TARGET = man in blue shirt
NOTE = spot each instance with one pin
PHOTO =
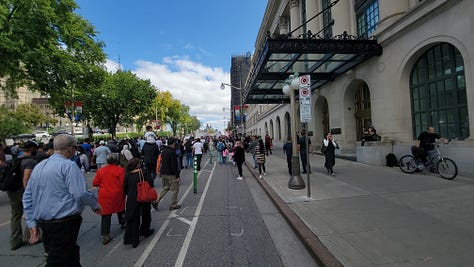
(100, 154)
(58, 214)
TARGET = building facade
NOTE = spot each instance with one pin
(423, 77)
(239, 69)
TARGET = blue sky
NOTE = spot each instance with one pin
(182, 46)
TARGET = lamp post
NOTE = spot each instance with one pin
(242, 123)
(295, 182)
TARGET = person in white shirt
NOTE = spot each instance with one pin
(197, 151)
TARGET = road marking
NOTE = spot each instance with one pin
(189, 235)
(116, 246)
(186, 221)
(169, 233)
(239, 234)
(163, 227)
(5, 223)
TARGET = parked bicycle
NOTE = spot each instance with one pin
(446, 167)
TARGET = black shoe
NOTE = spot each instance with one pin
(149, 233)
(175, 207)
(123, 225)
(106, 239)
(304, 172)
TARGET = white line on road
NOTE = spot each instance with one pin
(186, 221)
(155, 239)
(189, 235)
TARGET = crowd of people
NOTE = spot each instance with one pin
(59, 167)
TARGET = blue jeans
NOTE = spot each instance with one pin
(219, 157)
(432, 154)
(189, 160)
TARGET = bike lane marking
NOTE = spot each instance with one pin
(172, 215)
(189, 235)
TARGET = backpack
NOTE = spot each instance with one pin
(158, 163)
(391, 160)
(220, 146)
(122, 160)
(11, 176)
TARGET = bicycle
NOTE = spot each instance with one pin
(446, 167)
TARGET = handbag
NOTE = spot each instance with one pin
(323, 149)
(145, 192)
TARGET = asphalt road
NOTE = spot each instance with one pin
(227, 222)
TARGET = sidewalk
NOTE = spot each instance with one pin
(376, 216)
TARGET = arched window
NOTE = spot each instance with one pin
(438, 93)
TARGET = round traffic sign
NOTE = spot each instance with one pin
(304, 92)
(304, 80)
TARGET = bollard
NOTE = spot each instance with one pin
(195, 175)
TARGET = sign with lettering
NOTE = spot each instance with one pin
(305, 98)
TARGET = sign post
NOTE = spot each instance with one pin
(305, 117)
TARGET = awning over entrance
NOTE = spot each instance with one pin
(323, 59)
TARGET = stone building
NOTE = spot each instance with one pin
(422, 76)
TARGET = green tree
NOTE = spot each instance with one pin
(31, 115)
(194, 124)
(10, 125)
(46, 46)
(119, 99)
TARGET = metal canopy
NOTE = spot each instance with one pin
(323, 59)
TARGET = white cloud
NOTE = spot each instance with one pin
(192, 83)
(112, 65)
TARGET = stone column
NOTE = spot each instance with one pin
(283, 25)
(295, 20)
(390, 10)
(312, 8)
(342, 18)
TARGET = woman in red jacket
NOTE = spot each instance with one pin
(110, 179)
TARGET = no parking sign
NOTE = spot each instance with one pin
(305, 98)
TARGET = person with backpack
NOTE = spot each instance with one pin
(188, 150)
(170, 174)
(125, 156)
(220, 146)
(23, 166)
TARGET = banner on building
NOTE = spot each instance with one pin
(237, 112)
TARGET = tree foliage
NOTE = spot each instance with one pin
(122, 96)
(47, 47)
(170, 111)
(22, 120)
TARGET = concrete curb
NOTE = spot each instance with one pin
(317, 249)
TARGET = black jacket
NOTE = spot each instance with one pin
(169, 161)
(150, 154)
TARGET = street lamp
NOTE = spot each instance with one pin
(292, 84)
(223, 85)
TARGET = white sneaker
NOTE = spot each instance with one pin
(239, 178)
(260, 176)
(264, 173)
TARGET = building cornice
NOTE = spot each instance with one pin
(413, 17)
